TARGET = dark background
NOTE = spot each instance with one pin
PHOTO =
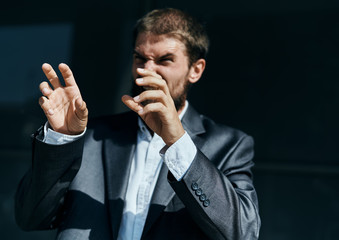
(272, 71)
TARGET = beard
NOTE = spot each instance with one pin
(179, 101)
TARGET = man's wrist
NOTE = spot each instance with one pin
(169, 142)
(56, 138)
(179, 156)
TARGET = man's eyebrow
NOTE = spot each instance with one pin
(167, 55)
(161, 57)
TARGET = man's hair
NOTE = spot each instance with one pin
(176, 23)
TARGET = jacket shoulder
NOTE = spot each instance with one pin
(223, 131)
(220, 140)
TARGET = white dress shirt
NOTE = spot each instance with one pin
(150, 153)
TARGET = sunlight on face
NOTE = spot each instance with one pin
(166, 56)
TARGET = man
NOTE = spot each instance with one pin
(161, 171)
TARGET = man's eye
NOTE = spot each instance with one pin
(139, 58)
(166, 60)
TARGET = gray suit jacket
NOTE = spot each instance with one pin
(80, 187)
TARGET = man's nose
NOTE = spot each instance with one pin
(149, 65)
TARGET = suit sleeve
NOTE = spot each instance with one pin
(41, 192)
(221, 198)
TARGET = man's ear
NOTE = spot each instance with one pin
(196, 70)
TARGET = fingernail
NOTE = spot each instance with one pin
(141, 70)
(50, 112)
(136, 99)
(44, 91)
(141, 111)
(140, 80)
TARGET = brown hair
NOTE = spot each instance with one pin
(178, 24)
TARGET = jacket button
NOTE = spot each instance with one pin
(195, 186)
(198, 192)
(202, 197)
(206, 203)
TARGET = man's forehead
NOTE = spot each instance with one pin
(158, 44)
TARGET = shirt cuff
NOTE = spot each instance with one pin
(179, 156)
(55, 138)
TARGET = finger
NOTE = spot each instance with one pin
(51, 75)
(46, 106)
(81, 109)
(145, 72)
(151, 95)
(130, 103)
(45, 89)
(67, 74)
(155, 107)
(152, 82)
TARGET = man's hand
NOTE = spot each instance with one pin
(159, 113)
(63, 105)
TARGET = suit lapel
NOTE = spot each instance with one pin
(163, 192)
(192, 122)
(118, 154)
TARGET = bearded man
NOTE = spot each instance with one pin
(160, 171)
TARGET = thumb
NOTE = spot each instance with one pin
(81, 108)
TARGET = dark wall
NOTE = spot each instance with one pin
(272, 71)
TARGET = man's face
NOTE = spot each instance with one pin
(167, 57)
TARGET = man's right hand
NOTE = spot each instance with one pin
(63, 105)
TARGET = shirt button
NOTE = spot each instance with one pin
(195, 186)
(202, 197)
(206, 203)
(198, 192)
